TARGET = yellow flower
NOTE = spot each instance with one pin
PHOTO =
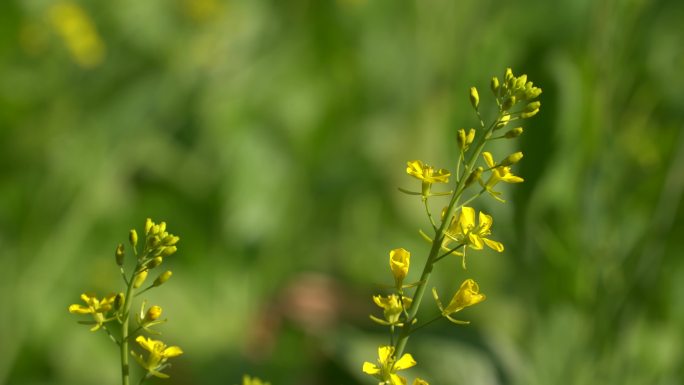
(247, 380)
(98, 308)
(464, 231)
(499, 174)
(420, 381)
(399, 264)
(387, 366)
(467, 295)
(393, 306)
(426, 173)
(159, 354)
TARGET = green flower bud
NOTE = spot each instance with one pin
(508, 103)
(133, 238)
(520, 82)
(532, 106)
(154, 262)
(163, 277)
(514, 133)
(118, 301)
(148, 226)
(119, 254)
(530, 114)
(494, 85)
(461, 140)
(153, 313)
(508, 75)
(474, 97)
(474, 176)
(512, 159)
(170, 240)
(139, 279)
(502, 122)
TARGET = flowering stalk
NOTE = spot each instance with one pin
(458, 230)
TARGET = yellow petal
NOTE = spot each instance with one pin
(397, 379)
(475, 241)
(79, 309)
(146, 343)
(369, 368)
(485, 223)
(406, 361)
(494, 245)
(466, 219)
(384, 354)
(172, 351)
(420, 381)
(415, 168)
(488, 159)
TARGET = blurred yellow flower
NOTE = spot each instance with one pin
(386, 370)
(420, 381)
(399, 261)
(78, 32)
(467, 295)
(393, 306)
(159, 354)
(499, 174)
(426, 173)
(247, 380)
(98, 308)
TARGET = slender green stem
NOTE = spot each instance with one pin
(439, 237)
(128, 302)
(448, 252)
(426, 324)
(429, 213)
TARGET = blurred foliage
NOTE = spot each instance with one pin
(272, 136)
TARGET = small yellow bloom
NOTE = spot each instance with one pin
(499, 174)
(420, 381)
(467, 295)
(399, 261)
(159, 354)
(98, 308)
(387, 366)
(426, 173)
(464, 230)
(393, 306)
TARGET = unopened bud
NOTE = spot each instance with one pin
(119, 254)
(170, 240)
(475, 175)
(474, 97)
(162, 227)
(118, 301)
(168, 251)
(133, 238)
(153, 241)
(155, 229)
(494, 85)
(532, 106)
(153, 313)
(520, 82)
(163, 277)
(155, 262)
(470, 137)
(508, 103)
(511, 159)
(148, 226)
(139, 279)
(514, 133)
(508, 75)
(461, 140)
(502, 122)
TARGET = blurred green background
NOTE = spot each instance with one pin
(271, 136)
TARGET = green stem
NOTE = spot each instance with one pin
(429, 213)
(128, 302)
(439, 237)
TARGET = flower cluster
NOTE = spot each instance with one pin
(459, 227)
(158, 245)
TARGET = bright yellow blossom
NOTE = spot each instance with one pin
(159, 354)
(392, 306)
(98, 308)
(387, 366)
(399, 264)
(467, 295)
(499, 174)
(420, 381)
(463, 230)
(426, 173)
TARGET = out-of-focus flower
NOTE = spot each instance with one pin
(78, 32)
(98, 308)
(387, 366)
(159, 353)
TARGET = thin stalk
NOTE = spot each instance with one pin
(128, 302)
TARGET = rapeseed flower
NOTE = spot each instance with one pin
(98, 308)
(465, 231)
(387, 366)
(467, 295)
(399, 262)
(393, 306)
(159, 354)
(426, 173)
(500, 173)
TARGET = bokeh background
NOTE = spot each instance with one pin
(272, 137)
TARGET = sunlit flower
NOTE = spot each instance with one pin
(426, 173)
(499, 174)
(98, 308)
(387, 366)
(159, 354)
(467, 295)
(464, 230)
(399, 264)
(393, 306)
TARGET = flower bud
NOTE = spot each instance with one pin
(470, 137)
(511, 159)
(170, 240)
(532, 106)
(163, 277)
(153, 313)
(155, 229)
(461, 140)
(494, 85)
(139, 279)
(508, 103)
(118, 301)
(475, 175)
(508, 75)
(474, 97)
(155, 262)
(133, 238)
(502, 122)
(529, 114)
(514, 133)
(168, 251)
(399, 262)
(119, 254)
(148, 226)
(520, 82)
(162, 227)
